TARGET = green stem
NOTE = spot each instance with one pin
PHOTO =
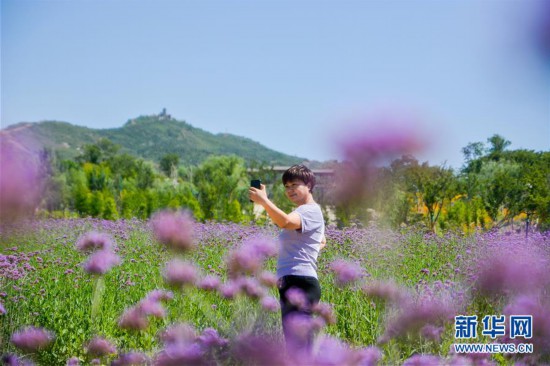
(245, 315)
(195, 297)
(99, 289)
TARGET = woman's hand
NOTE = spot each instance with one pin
(323, 242)
(258, 196)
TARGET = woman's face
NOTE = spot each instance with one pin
(297, 191)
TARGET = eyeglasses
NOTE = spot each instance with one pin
(293, 186)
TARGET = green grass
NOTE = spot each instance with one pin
(62, 302)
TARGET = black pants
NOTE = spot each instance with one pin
(312, 291)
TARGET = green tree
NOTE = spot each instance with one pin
(57, 194)
(81, 194)
(169, 164)
(507, 183)
(123, 165)
(532, 195)
(433, 185)
(98, 176)
(110, 211)
(55, 190)
(145, 176)
(91, 154)
(97, 204)
(472, 154)
(395, 200)
(130, 202)
(137, 203)
(188, 199)
(498, 145)
(103, 149)
(466, 212)
(500, 187)
(220, 181)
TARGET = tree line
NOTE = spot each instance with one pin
(495, 187)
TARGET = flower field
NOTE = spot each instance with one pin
(169, 292)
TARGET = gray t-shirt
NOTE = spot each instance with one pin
(299, 249)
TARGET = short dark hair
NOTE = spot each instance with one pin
(300, 172)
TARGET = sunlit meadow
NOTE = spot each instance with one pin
(388, 297)
(172, 291)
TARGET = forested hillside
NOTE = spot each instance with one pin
(146, 137)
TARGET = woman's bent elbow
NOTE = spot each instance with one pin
(284, 225)
(289, 225)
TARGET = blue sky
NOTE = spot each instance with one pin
(288, 74)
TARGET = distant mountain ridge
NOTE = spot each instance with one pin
(149, 137)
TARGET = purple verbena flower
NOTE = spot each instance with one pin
(270, 303)
(258, 350)
(336, 352)
(134, 319)
(263, 246)
(179, 273)
(151, 304)
(365, 149)
(298, 328)
(73, 361)
(209, 283)
(423, 360)
(346, 272)
(131, 359)
(385, 140)
(242, 261)
(249, 257)
(229, 289)
(32, 339)
(99, 347)
(386, 290)
(542, 30)
(414, 315)
(136, 316)
(178, 333)
(370, 356)
(20, 180)
(101, 262)
(325, 311)
(540, 311)
(210, 338)
(93, 240)
(174, 229)
(180, 354)
(474, 359)
(251, 287)
(268, 279)
(151, 307)
(497, 274)
(297, 297)
(432, 332)
(160, 295)
(10, 359)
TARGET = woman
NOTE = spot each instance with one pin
(301, 239)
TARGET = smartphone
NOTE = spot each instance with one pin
(256, 183)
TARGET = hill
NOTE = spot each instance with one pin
(148, 137)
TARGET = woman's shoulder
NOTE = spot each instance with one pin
(309, 207)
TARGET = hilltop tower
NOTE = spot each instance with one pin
(163, 115)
